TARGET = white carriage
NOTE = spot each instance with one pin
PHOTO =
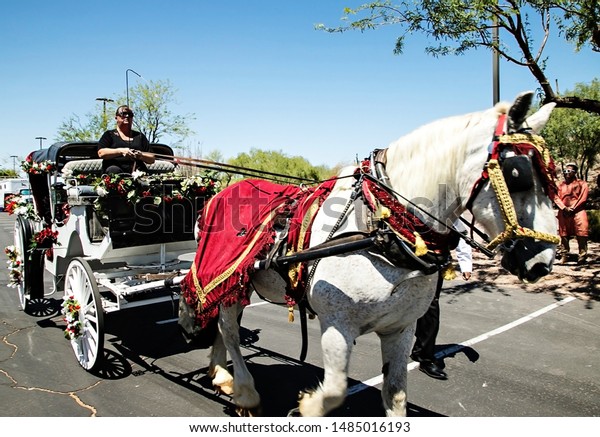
(104, 249)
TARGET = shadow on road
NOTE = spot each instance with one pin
(136, 344)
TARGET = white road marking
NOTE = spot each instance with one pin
(379, 379)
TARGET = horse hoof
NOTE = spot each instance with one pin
(249, 412)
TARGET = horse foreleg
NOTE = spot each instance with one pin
(245, 396)
(217, 369)
(395, 348)
(331, 393)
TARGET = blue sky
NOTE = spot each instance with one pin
(255, 74)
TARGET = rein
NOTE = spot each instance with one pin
(524, 144)
(228, 168)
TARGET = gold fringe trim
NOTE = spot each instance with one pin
(449, 272)
(420, 246)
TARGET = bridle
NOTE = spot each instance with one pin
(509, 169)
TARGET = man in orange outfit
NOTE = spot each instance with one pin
(572, 218)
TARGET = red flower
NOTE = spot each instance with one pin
(46, 234)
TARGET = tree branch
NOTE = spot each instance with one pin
(574, 102)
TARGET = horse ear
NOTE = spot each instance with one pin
(538, 120)
(518, 111)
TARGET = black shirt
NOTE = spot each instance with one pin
(112, 140)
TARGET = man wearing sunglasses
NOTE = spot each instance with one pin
(122, 149)
(572, 218)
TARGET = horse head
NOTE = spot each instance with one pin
(517, 206)
(439, 167)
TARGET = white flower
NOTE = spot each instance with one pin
(137, 174)
(68, 173)
(101, 191)
(21, 210)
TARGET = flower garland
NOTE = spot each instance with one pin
(15, 265)
(44, 239)
(76, 177)
(32, 167)
(199, 186)
(70, 309)
(167, 188)
(15, 204)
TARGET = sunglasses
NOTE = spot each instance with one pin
(125, 114)
(568, 171)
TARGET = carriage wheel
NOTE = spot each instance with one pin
(32, 271)
(81, 285)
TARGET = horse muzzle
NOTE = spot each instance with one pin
(528, 260)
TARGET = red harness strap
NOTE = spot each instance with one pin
(493, 154)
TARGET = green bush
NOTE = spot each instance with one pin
(594, 219)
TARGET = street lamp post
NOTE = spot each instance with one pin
(127, 81)
(104, 120)
(41, 139)
(495, 63)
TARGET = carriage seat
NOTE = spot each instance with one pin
(94, 167)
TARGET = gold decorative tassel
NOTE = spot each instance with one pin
(449, 272)
(290, 314)
(420, 246)
(384, 212)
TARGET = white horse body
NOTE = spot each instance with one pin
(357, 293)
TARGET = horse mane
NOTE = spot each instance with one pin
(436, 153)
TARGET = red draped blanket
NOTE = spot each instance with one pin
(236, 229)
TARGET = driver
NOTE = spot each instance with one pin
(122, 149)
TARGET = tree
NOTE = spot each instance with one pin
(582, 26)
(150, 102)
(574, 135)
(279, 163)
(8, 173)
(74, 129)
(460, 25)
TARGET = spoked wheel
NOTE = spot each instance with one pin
(81, 286)
(31, 285)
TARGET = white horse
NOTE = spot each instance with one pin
(436, 167)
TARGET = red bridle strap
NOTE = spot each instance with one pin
(494, 152)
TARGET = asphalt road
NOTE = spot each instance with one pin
(508, 353)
